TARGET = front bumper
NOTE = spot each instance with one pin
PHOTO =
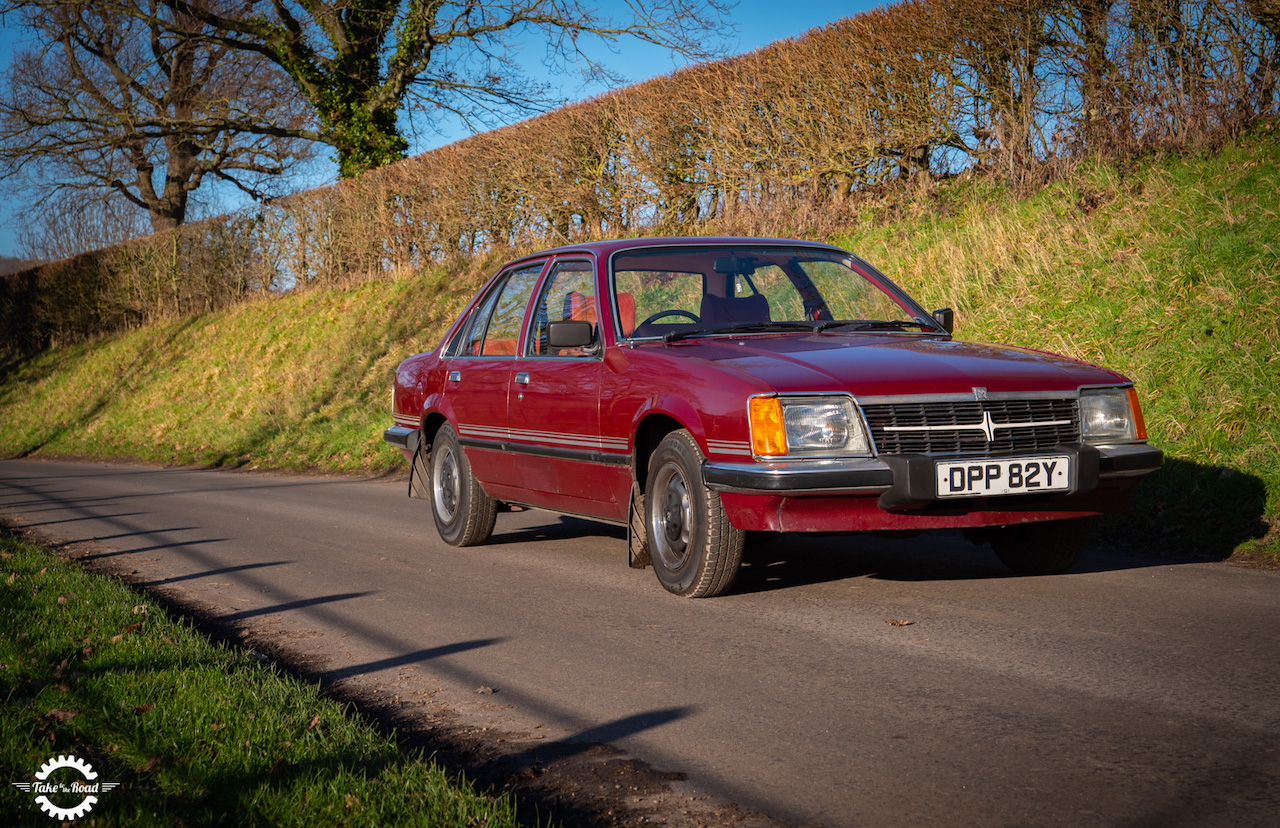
(908, 481)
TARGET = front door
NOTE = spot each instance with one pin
(554, 413)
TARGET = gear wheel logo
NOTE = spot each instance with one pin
(86, 787)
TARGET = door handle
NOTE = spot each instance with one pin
(522, 378)
(455, 376)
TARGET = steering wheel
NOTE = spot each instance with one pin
(669, 312)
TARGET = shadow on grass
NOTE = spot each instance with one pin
(1191, 510)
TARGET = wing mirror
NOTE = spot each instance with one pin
(945, 317)
(571, 334)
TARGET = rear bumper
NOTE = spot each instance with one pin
(402, 437)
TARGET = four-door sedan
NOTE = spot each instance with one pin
(696, 389)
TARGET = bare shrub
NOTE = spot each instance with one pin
(799, 138)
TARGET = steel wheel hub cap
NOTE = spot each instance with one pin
(446, 488)
(673, 518)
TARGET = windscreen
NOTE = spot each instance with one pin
(729, 288)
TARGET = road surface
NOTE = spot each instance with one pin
(1130, 691)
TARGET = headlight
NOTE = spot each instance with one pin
(1111, 415)
(806, 426)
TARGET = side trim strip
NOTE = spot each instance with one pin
(581, 455)
(544, 438)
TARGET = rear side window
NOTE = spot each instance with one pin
(494, 326)
(471, 334)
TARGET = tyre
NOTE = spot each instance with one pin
(1048, 548)
(464, 514)
(692, 546)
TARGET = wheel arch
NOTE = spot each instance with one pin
(649, 432)
(431, 423)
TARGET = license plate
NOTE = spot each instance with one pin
(975, 478)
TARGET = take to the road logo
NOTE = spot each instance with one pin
(66, 787)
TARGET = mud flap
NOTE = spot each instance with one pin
(637, 540)
(420, 472)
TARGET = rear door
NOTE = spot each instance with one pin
(479, 376)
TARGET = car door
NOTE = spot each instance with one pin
(478, 379)
(554, 412)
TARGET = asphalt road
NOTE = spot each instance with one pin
(1130, 691)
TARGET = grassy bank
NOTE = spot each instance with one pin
(1168, 272)
(196, 734)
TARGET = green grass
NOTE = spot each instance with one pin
(1167, 271)
(298, 382)
(197, 734)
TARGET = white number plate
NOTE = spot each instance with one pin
(974, 478)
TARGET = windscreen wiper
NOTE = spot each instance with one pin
(744, 327)
(884, 325)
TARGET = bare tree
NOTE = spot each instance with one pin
(71, 222)
(363, 64)
(149, 105)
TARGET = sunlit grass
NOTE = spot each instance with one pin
(196, 733)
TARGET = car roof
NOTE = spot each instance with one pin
(606, 248)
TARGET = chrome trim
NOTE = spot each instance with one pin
(583, 455)
(963, 397)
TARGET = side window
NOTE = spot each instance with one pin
(569, 295)
(471, 334)
(503, 330)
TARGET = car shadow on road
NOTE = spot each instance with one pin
(553, 527)
(788, 561)
(773, 562)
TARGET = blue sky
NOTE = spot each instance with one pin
(758, 22)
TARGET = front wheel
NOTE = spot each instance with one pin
(694, 549)
(464, 514)
(1048, 548)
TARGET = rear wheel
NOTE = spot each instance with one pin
(464, 514)
(694, 549)
(1048, 548)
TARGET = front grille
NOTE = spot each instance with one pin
(987, 427)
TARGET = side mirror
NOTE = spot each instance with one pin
(571, 334)
(945, 317)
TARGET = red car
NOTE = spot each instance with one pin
(697, 389)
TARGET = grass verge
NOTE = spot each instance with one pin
(195, 733)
